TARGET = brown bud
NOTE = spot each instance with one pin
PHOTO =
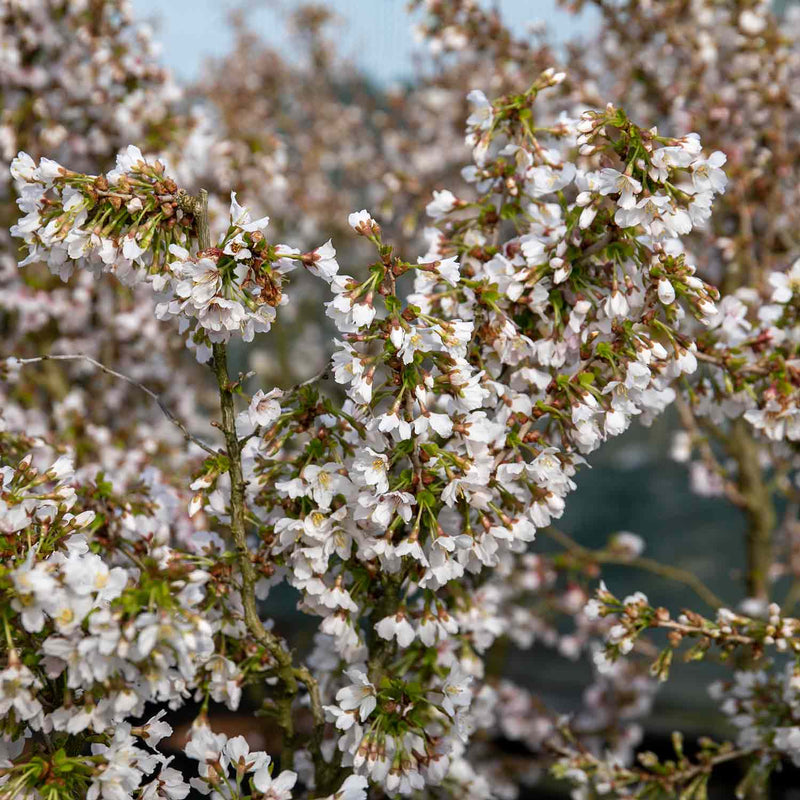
(675, 638)
(694, 618)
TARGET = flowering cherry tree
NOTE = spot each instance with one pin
(565, 287)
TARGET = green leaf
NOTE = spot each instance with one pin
(509, 211)
(426, 498)
(677, 743)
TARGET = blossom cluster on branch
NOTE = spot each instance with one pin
(579, 273)
(547, 312)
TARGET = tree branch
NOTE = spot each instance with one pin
(676, 574)
(759, 509)
(267, 639)
(149, 392)
(287, 673)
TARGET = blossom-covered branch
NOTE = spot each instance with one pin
(567, 288)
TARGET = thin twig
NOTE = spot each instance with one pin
(721, 361)
(759, 508)
(149, 392)
(676, 574)
(603, 242)
(673, 780)
(320, 376)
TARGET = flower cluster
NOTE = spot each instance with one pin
(229, 768)
(729, 631)
(589, 305)
(566, 291)
(104, 648)
(135, 223)
(122, 222)
(763, 705)
(232, 288)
